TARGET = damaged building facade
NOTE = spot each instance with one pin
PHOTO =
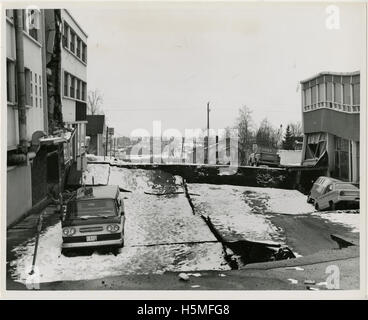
(39, 137)
(66, 61)
(331, 123)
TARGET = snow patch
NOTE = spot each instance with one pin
(350, 220)
(97, 174)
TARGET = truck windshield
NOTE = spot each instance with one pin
(97, 207)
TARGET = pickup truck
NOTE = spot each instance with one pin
(264, 157)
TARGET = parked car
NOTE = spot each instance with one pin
(263, 157)
(330, 193)
(94, 218)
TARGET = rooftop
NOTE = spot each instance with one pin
(329, 73)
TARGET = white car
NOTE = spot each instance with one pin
(330, 193)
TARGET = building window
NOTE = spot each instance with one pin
(79, 44)
(72, 41)
(356, 94)
(308, 96)
(321, 92)
(66, 35)
(84, 52)
(314, 94)
(78, 89)
(329, 91)
(341, 158)
(31, 22)
(84, 86)
(346, 93)
(28, 86)
(337, 92)
(72, 88)
(10, 81)
(66, 83)
(315, 146)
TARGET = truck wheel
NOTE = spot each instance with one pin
(332, 206)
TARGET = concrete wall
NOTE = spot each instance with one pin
(19, 192)
(341, 124)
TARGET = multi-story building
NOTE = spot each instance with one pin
(26, 160)
(331, 118)
(46, 124)
(67, 74)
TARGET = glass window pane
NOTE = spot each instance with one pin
(338, 90)
(356, 94)
(321, 92)
(329, 88)
(314, 95)
(347, 95)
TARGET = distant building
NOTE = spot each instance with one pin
(331, 120)
(96, 130)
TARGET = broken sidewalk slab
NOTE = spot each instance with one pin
(248, 250)
(323, 256)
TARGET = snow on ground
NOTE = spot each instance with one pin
(161, 233)
(53, 266)
(97, 174)
(230, 214)
(154, 219)
(350, 220)
(285, 201)
(140, 180)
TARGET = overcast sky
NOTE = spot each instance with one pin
(165, 61)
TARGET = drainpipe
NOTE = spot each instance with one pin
(44, 75)
(22, 117)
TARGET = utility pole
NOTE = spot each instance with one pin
(208, 118)
(206, 156)
(107, 135)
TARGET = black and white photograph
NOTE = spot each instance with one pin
(184, 146)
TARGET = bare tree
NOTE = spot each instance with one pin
(267, 135)
(296, 129)
(246, 136)
(95, 101)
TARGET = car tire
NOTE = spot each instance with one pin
(316, 206)
(332, 206)
(309, 199)
(66, 252)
